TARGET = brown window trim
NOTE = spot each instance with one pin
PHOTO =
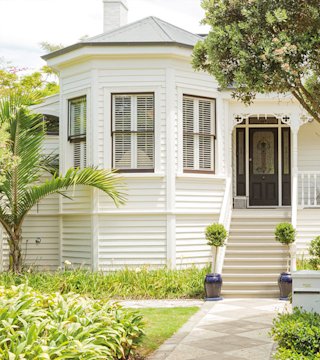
(80, 137)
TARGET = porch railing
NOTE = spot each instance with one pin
(309, 188)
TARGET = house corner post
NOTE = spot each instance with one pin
(294, 197)
(171, 166)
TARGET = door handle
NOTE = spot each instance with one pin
(263, 177)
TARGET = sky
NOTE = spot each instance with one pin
(26, 23)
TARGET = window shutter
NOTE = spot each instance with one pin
(80, 154)
(188, 130)
(205, 135)
(145, 131)
(122, 125)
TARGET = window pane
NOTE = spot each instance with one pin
(78, 116)
(145, 113)
(205, 117)
(188, 115)
(122, 113)
(52, 124)
(263, 120)
(188, 151)
(263, 153)
(122, 151)
(80, 154)
(205, 152)
(145, 151)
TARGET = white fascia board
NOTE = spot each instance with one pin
(88, 52)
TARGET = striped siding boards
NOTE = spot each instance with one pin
(168, 208)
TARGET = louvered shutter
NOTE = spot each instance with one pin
(205, 135)
(77, 130)
(188, 133)
(133, 131)
(122, 138)
(145, 131)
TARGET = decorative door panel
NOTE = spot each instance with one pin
(263, 167)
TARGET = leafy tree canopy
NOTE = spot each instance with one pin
(20, 81)
(261, 46)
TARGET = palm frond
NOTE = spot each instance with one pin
(105, 180)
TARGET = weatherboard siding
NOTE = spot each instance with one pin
(131, 240)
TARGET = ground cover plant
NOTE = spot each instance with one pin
(297, 335)
(140, 283)
(36, 326)
(161, 324)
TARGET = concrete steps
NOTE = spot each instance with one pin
(253, 259)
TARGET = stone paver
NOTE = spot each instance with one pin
(233, 329)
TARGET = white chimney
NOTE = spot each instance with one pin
(115, 14)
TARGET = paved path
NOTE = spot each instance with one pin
(233, 329)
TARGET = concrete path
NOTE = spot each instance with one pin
(233, 329)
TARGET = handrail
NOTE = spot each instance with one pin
(308, 188)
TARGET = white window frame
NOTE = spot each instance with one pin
(196, 133)
(133, 132)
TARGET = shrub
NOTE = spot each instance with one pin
(298, 335)
(314, 252)
(285, 233)
(37, 326)
(216, 235)
(139, 283)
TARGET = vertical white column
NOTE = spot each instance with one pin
(171, 166)
(294, 197)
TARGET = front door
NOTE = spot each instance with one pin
(263, 167)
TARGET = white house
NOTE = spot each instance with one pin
(189, 154)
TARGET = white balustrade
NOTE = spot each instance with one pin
(309, 188)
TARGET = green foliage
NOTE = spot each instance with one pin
(216, 235)
(22, 187)
(285, 233)
(43, 82)
(139, 283)
(161, 324)
(314, 252)
(34, 326)
(297, 335)
(261, 46)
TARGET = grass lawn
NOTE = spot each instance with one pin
(161, 324)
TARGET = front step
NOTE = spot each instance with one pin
(253, 259)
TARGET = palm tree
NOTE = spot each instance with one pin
(21, 187)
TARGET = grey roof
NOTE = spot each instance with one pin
(148, 31)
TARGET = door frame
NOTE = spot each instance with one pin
(246, 126)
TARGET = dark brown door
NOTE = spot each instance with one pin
(263, 167)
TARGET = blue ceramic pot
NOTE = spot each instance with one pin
(212, 287)
(285, 285)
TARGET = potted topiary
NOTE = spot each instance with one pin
(216, 235)
(285, 234)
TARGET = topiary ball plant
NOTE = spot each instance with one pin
(285, 233)
(216, 235)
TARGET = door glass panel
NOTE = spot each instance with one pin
(241, 155)
(263, 153)
(263, 120)
(286, 152)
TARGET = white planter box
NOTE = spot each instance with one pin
(306, 290)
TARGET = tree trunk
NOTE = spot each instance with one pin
(15, 253)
